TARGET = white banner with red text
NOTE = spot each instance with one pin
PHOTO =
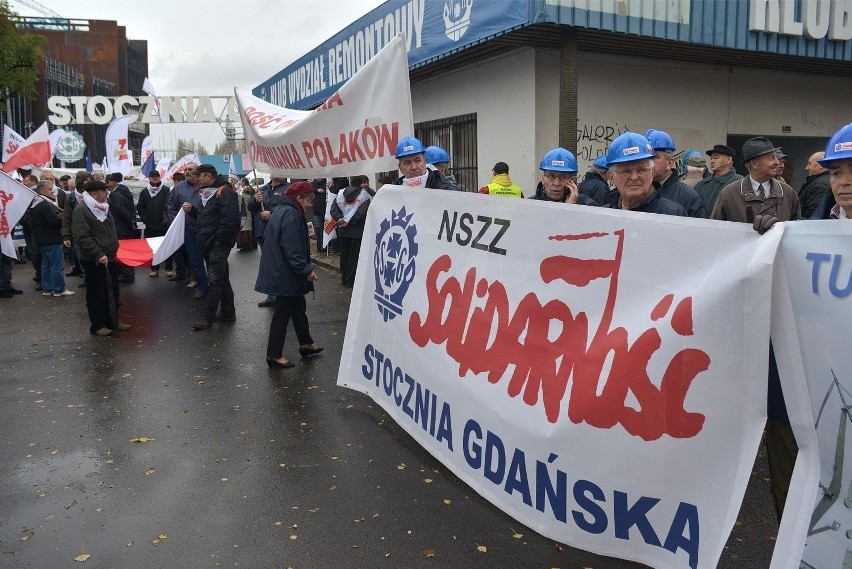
(811, 323)
(354, 132)
(599, 375)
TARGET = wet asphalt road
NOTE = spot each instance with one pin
(246, 466)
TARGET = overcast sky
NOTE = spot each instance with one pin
(208, 47)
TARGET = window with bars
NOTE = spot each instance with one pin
(456, 135)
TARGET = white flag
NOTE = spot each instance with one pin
(356, 130)
(163, 166)
(329, 226)
(12, 141)
(232, 172)
(54, 138)
(118, 152)
(15, 198)
(148, 88)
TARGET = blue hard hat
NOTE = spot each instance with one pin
(628, 147)
(600, 162)
(686, 156)
(660, 140)
(839, 146)
(408, 146)
(559, 160)
(436, 155)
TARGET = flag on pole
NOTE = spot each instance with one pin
(148, 88)
(152, 250)
(163, 166)
(34, 150)
(232, 172)
(147, 159)
(118, 152)
(15, 198)
(12, 141)
(54, 137)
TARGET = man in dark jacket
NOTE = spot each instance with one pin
(666, 180)
(412, 164)
(218, 222)
(722, 167)
(594, 184)
(47, 233)
(124, 213)
(815, 187)
(349, 210)
(154, 212)
(187, 192)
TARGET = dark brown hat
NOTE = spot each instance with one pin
(95, 185)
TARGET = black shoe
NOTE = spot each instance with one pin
(74, 273)
(38, 288)
(225, 317)
(199, 295)
(15, 291)
(201, 324)
(275, 363)
(177, 278)
(265, 304)
(126, 280)
(6, 294)
(308, 352)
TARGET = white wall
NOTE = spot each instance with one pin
(501, 92)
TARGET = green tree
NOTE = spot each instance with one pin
(184, 147)
(20, 55)
(230, 147)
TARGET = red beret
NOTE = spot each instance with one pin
(293, 191)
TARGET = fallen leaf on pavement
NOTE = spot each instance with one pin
(141, 440)
(429, 553)
(481, 548)
(82, 558)
(448, 502)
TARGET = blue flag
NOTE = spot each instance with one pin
(88, 161)
(149, 166)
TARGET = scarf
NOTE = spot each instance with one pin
(418, 182)
(207, 193)
(99, 209)
(349, 208)
(153, 191)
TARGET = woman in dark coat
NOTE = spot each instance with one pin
(286, 272)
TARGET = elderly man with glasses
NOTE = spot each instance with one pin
(631, 160)
(559, 179)
(186, 195)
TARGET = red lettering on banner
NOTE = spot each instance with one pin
(260, 119)
(5, 198)
(332, 101)
(543, 367)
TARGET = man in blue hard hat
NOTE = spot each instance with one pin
(595, 183)
(631, 163)
(438, 158)
(559, 179)
(666, 179)
(838, 160)
(415, 172)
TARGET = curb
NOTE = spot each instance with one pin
(331, 265)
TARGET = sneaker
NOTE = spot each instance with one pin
(122, 327)
(170, 274)
(104, 332)
(154, 274)
(192, 284)
(65, 292)
(47, 294)
(199, 295)
(201, 324)
(225, 317)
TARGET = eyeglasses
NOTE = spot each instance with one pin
(561, 177)
(188, 171)
(628, 172)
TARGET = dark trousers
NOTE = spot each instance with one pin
(350, 248)
(127, 272)
(319, 220)
(196, 258)
(101, 294)
(287, 307)
(5, 273)
(218, 283)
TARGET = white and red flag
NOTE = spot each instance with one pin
(12, 141)
(180, 165)
(15, 198)
(34, 150)
(152, 250)
(118, 151)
